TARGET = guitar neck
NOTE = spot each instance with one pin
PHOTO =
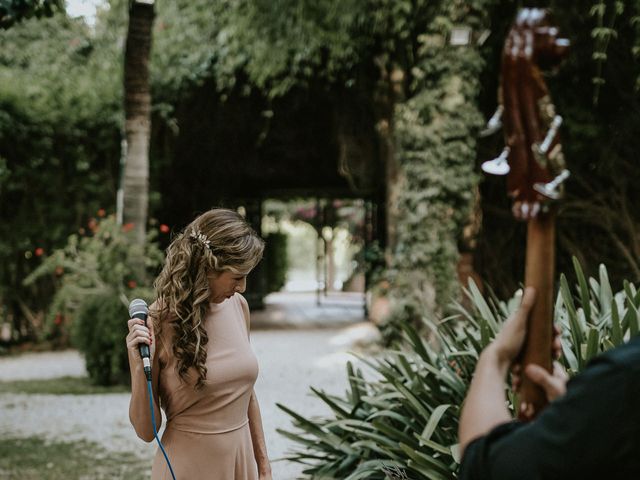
(540, 274)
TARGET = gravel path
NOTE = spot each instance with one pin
(290, 362)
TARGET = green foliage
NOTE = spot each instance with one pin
(60, 120)
(99, 329)
(406, 415)
(603, 33)
(12, 11)
(97, 276)
(255, 45)
(59, 386)
(275, 261)
(59, 148)
(435, 136)
(35, 457)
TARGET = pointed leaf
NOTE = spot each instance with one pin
(605, 290)
(616, 326)
(481, 305)
(585, 299)
(434, 419)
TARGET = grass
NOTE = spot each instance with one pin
(33, 458)
(59, 386)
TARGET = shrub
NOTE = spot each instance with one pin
(406, 417)
(275, 260)
(97, 274)
(98, 330)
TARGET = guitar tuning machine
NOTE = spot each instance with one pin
(541, 150)
(494, 124)
(499, 165)
(551, 190)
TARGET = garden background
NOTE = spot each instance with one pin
(285, 107)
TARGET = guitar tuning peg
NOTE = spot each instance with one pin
(543, 148)
(494, 124)
(499, 165)
(550, 190)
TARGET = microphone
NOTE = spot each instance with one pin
(138, 309)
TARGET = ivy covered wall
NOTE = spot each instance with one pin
(435, 137)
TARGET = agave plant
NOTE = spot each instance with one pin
(403, 421)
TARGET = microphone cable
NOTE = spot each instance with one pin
(155, 431)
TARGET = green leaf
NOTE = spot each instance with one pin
(485, 335)
(435, 417)
(616, 327)
(605, 291)
(482, 306)
(455, 452)
(566, 296)
(415, 340)
(593, 343)
(576, 330)
(436, 469)
(332, 403)
(585, 299)
(632, 319)
(356, 391)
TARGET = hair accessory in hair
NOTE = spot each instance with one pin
(200, 237)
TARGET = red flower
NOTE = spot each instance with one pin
(59, 270)
(127, 227)
(132, 284)
(39, 251)
(164, 228)
(58, 319)
(102, 212)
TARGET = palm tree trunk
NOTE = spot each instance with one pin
(137, 108)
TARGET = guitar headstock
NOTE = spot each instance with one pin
(532, 159)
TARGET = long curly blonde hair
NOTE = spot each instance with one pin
(218, 240)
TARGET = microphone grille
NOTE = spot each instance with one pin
(138, 306)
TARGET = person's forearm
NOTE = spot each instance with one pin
(139, 411)
(485, 406)
(257, 437)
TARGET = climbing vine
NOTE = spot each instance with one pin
(435, 136)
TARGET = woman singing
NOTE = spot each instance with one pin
(203, 368)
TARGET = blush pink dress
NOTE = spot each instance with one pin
(207, 431)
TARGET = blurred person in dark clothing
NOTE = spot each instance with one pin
(591, 428)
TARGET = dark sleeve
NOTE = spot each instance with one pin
(474, 463)
(572, 437)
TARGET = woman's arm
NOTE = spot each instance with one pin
(257, 437)
(139, 409)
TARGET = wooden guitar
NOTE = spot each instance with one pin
(534, 164)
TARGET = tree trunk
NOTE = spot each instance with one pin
(329, 262)
(137, 108)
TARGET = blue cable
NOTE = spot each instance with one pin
(155, 431)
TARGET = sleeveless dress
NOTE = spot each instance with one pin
(207, 433)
